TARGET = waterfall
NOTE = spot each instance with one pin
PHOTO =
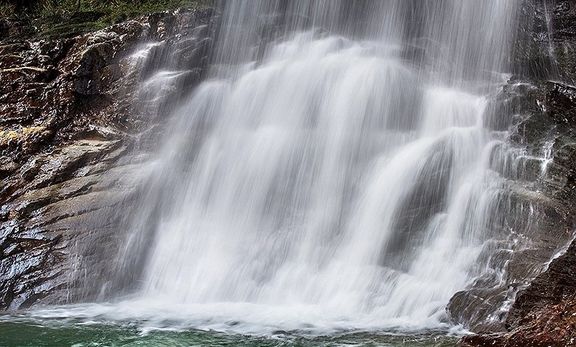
(335, 169)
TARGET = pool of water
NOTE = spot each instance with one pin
(29, 332)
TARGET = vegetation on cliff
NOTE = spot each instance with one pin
(57, 18)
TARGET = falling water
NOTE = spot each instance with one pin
(334, 170)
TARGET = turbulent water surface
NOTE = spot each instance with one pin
(339, 173)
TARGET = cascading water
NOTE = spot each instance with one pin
(335, 173)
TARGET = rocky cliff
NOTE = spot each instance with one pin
(543, 311)
(71, 114)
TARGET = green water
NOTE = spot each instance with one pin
(55, 334)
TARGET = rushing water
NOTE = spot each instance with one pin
(332, 178)
(333, 174)
(336, 177)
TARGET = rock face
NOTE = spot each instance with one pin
(544, 314)
(542, 192)
(70, 116)
(543, 311)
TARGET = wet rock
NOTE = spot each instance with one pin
(540, 307)
(87, 74)
(68, 118)
(544, 314)
(544, 120)
(7, 166)
(25, 138)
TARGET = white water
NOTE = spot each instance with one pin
(333, 179)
